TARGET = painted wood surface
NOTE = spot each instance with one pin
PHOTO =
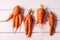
(6, 7)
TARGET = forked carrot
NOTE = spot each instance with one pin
(16, 16)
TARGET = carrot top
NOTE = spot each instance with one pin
(17, 7)
(30, 11)
(50, 12)
(41, 6)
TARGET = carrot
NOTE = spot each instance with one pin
(28, 23)
(40, 17)
(15, 12)
(40, 14)
(51, 22)
(16, 16)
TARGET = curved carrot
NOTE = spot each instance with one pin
(51, 22)
(28, 23)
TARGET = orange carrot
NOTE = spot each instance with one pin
(29, 28)
(16, 16)
(28, 23)
(51, 22)
(40, 15)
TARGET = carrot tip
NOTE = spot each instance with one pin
(17, 6)
(28, 36)
(51, 34)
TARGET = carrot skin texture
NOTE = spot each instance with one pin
(17, 22)
(26, 27)
(29, 28)
(16, 16)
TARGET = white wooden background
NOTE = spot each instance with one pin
(6, 7)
